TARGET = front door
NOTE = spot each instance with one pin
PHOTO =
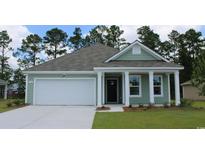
(112, 91)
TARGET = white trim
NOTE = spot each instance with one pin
(127, 89)
(113, 78)
(26, 90)
(169, 93)
(123, 88)
(99, 90)
(151, 87)
(35, 79)
(103, 88)
(124, 69)
(140, 85)
(141, 45)
(59, 72)
(161, 86)
(177, 88)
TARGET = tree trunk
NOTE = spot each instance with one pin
(34, 59)
(55, 54)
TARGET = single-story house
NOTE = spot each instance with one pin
(3, 89)
(191, 92)
(98, 75)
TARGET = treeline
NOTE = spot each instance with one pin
(187, 49)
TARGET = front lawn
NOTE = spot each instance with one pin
(198, 104)
(151, 119)
(4, 107)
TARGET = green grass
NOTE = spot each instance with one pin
(151, 119)
(198, 104)
(4, 107)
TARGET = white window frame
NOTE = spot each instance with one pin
(140, 87)
(161, 86)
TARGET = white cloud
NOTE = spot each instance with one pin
(163, 31)
(17, 33)
(130, 31)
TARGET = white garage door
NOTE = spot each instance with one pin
(65, 92)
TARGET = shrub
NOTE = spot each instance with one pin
(130, 106)
(150, 105)
(173, 103)
(17, 102)
(141, 105)
(185, 103)
(166, 105)
(9, 104)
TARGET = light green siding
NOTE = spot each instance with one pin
(143, 56)
(144, 99)
(31, 78)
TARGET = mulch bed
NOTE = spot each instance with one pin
(103, 108)
(136, 109)
(133, 109)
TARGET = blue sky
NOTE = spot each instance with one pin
(41, 30)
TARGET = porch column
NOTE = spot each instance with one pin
(26, 89)
(177, 88)
(103, 88)
(5, 91)
(169, 94)
(123, 88)
(151, 87)
(127, 89)
(99, 91)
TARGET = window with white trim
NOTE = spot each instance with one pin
(157, 85)
(135, 85)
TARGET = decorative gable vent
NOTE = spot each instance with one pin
(136, 50)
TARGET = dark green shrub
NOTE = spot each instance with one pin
(17, 102)
(173, 103)
(185, 103)
(9, 104)
(150, 106)
(166, 105)
(141, 105)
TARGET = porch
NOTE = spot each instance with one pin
(135, 87)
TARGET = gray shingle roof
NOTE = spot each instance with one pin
(93, 56)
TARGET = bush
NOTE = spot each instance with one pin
(185, 103)
(166, 105)
(141, 105)
(9, 104)
(173, 103)
(17, 102)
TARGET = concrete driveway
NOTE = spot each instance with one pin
(48, 117)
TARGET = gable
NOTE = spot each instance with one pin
(137, 51)
(142, 55)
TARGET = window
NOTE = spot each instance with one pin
(136, 50)
(135, 85)
(157, 85)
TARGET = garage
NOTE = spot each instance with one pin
(71, 91)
